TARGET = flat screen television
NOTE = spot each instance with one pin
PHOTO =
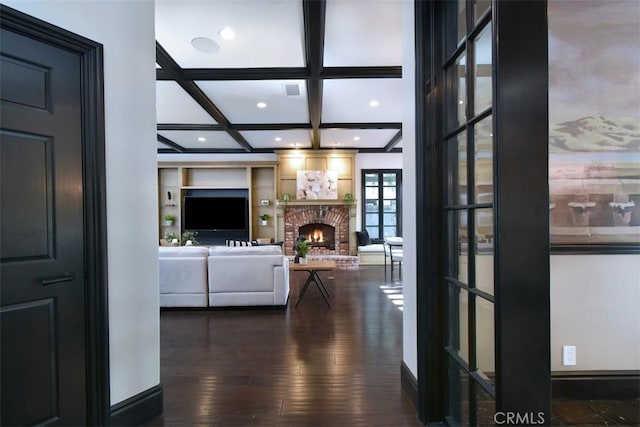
(216, 213)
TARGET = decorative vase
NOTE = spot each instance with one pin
(264, 223)
(303, 261)
(168, 223)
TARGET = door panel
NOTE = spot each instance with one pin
(42, 280)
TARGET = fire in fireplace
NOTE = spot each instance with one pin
(320, 235)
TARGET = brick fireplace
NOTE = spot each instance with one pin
(327, 226)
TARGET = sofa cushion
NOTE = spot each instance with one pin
(245, 250)
(183, 251)
(375, 248)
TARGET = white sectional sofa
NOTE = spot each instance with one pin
(183, 276)
(253, 275)
(222, 276)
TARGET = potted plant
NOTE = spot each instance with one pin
(171, 238)
(189, 238)
(169, 219)
(264, 218)
(302, 249)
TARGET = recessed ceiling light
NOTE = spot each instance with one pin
(294, 144)
(202, 139)
(278, 139)
(356, 138)
(461, 102)
(205, 45)
(261, 105)
(227, 33)
(373, 103)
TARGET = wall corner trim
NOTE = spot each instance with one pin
(409, 385)
(138, 409)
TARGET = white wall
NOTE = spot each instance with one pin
(595, 305)
(126, 29)
(372, 161)
(409, 322)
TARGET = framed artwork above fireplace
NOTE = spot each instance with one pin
(316, 184)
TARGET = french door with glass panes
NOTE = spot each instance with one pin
(483, 268)
(382, 203)
(468, 144)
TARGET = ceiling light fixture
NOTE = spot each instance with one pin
(205, 45)
(227, 33)
(373, 103)
(278, 139)
(202, 139)
(261, 105)
(356, 138)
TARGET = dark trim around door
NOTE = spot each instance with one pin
(522, 288)
(95, 245)
(429, 224)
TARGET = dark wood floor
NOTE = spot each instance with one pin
(310, 366)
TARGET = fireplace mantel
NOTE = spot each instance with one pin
(314, 202)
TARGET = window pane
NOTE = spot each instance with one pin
(374, 232)
(458, 407)
(486, 407)
(484, 250)
(457, 161)
(370, 179)
(479, 8)
(456, 25)
(372, 219)
(389, 205)
(458, 245)
(390, 219)
(371, 206)
(485, 339)
(459, 321)
(371, 193)
(483, 161)
(389, 179)
(390, 232)
(457, 95)
(483, 73)
(389, 192)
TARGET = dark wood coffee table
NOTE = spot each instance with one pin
(313, 267)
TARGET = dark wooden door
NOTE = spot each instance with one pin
(42, 279)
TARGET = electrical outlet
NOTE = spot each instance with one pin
(569, 355)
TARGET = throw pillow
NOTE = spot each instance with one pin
(363, 238)
(237, 243)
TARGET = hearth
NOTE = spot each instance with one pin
(320, 235)
(326, 226)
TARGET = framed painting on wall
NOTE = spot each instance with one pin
(594, 122)
(316, 184)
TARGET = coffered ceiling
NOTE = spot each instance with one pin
(312, 74)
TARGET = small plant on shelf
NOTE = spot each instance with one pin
(171, 238)
(189, 238)
(264, 218)
(169, 219)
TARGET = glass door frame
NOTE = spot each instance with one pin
(521, 222)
